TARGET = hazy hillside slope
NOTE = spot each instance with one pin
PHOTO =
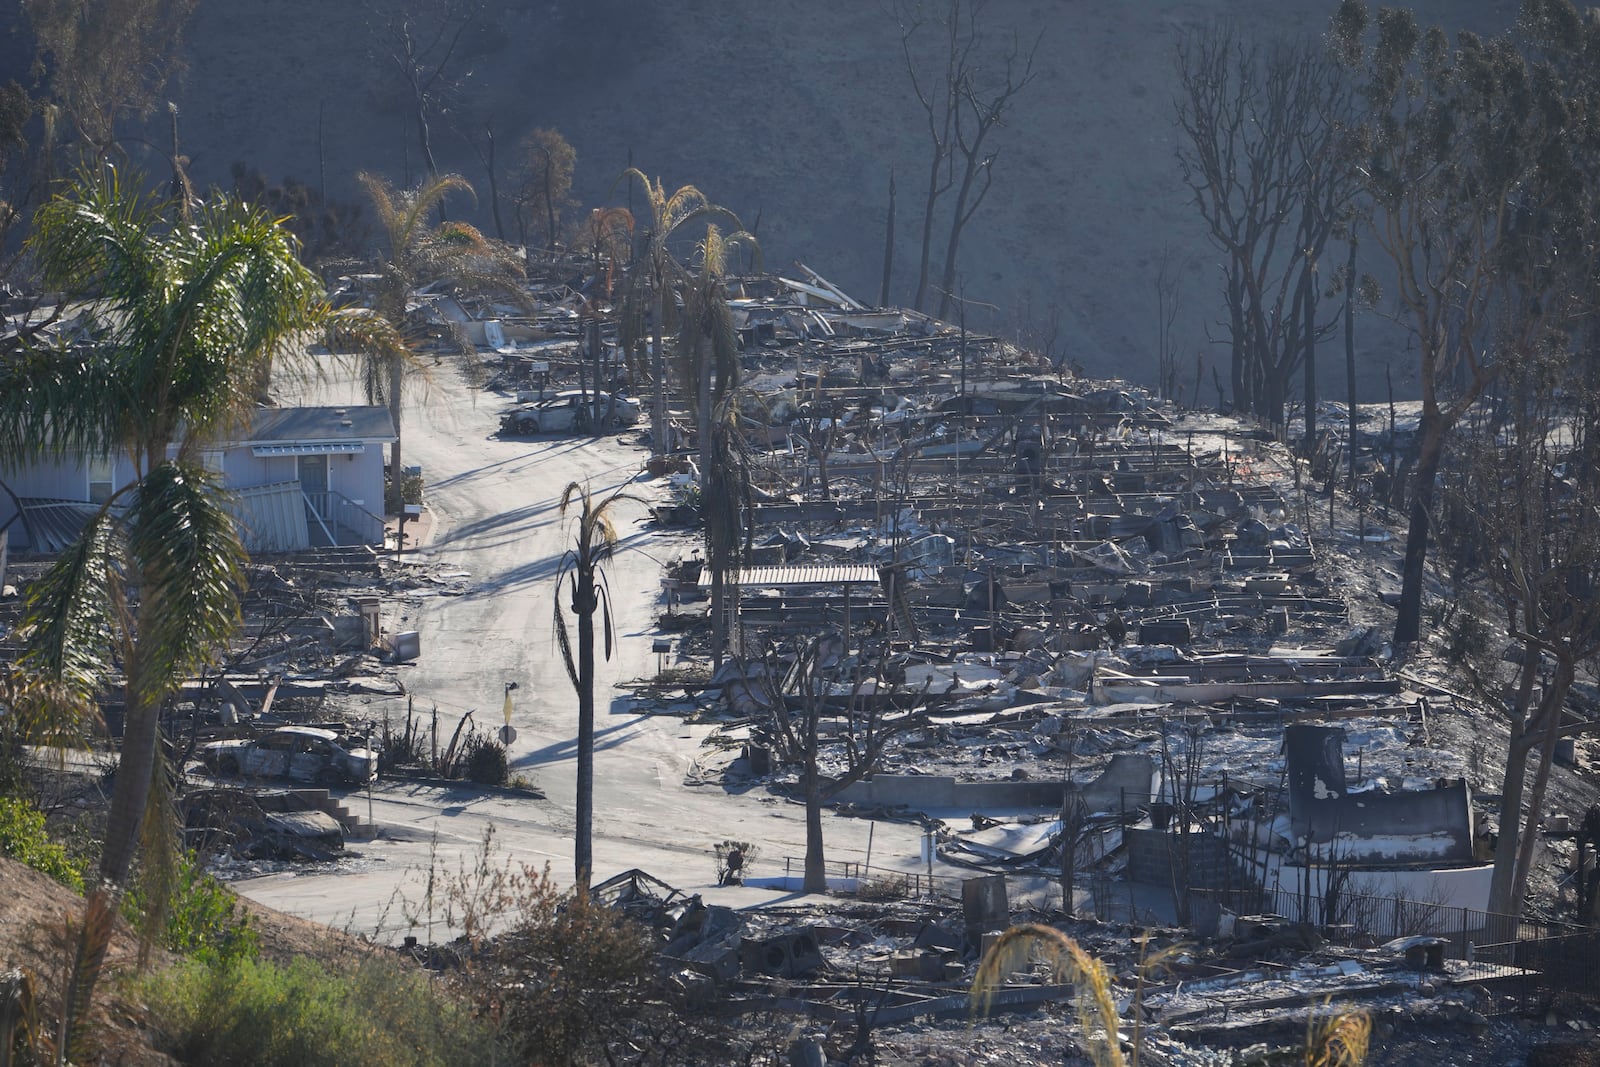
(792, 114)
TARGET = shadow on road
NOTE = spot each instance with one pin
(567, 748)
(535, 570)
(548, 452)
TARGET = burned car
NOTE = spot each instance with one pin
(273, 825)
(303, 753)
(570, 411)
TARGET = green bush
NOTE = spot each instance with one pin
(247, 1013)
(484, 760)
(204, 917)
(23, 838)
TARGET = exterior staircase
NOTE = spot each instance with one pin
(322, 800)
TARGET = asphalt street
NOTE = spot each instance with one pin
(495, 510)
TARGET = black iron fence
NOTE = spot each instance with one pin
(1361, 918)
(1561, 961)
(1559, 968)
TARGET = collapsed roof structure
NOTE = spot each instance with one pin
(1110, 617)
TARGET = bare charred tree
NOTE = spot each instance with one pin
(1354, 290)
(1168, 282)
(1265, 153)
(820, 431)
(888, 247)
(1520, 503)
(810, 681)
(937, 95)
(17, 185)
(984, 99)
(426, 43)
(1477, 157)
(103, 60)
(964, 96)
(485, 151)
(545, 166)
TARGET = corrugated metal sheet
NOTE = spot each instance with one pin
(52, 525)
(814, 574)
(272, 518)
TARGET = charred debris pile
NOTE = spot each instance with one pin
(1037, 594)
(1122, 671)
(324, 633)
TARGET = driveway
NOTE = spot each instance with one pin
(495, 506)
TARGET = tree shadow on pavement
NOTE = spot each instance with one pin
(567, 748)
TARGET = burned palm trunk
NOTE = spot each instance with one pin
(584, 603)
(1074, 816)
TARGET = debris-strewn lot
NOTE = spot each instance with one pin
(1124, 666)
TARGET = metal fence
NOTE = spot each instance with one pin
(1359, 917)
(1559, 962)
(1558, 968)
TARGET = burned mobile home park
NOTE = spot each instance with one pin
(1123, 666)
(1171, 636)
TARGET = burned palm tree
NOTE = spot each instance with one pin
(708, 357)
(582, 584)
(420, 252)
(656, 275)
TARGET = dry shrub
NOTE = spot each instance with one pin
(567, 979)
(562, 975)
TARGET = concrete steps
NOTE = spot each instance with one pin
(324, 801)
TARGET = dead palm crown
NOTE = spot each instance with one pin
(651, 296)
(581, 583)
(420, 252)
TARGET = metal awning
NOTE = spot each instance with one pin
(311, 448)
(814, 574)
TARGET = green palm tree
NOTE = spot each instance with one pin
(420, 252)
(586, 595)
(181, 317)
(655, 280)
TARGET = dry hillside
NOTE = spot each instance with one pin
(793, 115)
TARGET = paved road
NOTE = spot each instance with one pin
(496, 511)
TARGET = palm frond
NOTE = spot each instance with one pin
(404, 214)
(1091, 982)
(654, 192)
(746, 242)
(563, 640)
(95, 241)
(56, 397)
(1338, 1037)
(68, 616)
(186, 549)
(572, 491)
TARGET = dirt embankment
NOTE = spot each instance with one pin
(38, 919)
